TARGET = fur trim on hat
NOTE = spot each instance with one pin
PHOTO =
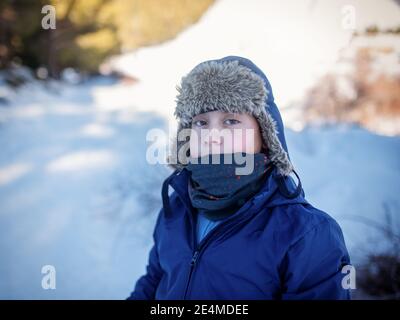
(228, 87)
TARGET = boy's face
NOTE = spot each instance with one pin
(219, 132)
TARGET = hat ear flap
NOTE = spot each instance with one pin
(275, 151)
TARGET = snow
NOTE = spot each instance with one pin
(293, 42)
(357, 179)
(71, 173)
(77, 192)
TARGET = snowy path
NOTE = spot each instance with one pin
(70, 172)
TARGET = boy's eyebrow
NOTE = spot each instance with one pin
(206, 115)
(199, 116)
(232, 114)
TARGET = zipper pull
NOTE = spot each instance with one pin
(194, 258)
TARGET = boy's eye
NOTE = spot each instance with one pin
(199, 123)
(231, 121)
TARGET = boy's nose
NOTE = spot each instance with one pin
(214, 138)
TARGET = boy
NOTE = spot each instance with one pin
(226, 235)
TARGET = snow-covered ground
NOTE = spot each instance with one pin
(71, 172)
(76, 191)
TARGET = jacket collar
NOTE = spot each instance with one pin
(277, 190)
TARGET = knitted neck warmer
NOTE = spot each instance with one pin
(217, 191)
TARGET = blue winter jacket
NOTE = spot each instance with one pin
(277, 246)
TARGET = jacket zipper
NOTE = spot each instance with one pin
(201, 246)
(192, 263)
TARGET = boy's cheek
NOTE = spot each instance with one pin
(252, 146)
(194, 148)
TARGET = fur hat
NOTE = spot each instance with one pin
(231, 84)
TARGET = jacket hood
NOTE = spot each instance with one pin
(231, 84)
